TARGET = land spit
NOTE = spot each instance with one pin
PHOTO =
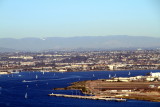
(147, 91)
(88, 97)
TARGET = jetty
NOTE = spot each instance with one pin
(89, 97)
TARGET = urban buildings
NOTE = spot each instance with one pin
(67, 61)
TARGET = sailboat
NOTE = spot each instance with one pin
(115, 75)
(43, 72)
(109, 75)
(129, 73)
(93, 75)
(36, 76)
(26, 96)
(26, 81)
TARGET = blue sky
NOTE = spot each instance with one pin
(68, 18)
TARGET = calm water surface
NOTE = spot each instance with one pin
(13, 89)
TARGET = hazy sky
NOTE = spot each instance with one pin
(67, 18)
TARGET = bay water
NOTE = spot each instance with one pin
(31, 89)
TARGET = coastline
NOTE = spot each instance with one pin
(24, 70)
(3, 73)
(88, 87)
(91, 70)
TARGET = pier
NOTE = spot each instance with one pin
(89, 97)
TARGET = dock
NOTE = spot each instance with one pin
(89, 97)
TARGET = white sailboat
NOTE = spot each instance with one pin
(129, 73)
(36, 76)
(26, 96)
(43, 72)
(26, 81)
(109, 75)
(93, 75)
(115, 75)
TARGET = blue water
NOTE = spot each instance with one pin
(12, 89)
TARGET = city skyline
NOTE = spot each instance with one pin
(69, 18)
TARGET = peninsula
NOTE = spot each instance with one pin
(140, 87)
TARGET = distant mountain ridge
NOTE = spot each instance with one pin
(7, 50)
(94, 42)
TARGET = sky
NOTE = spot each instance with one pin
(71, 18)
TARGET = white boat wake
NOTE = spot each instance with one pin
(53, 79)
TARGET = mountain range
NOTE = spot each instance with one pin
(84, 42)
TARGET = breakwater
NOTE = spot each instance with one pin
(89, 97)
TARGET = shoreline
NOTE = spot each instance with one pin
(22, 70)
(88, 88)
(4, 73)
(88, 70)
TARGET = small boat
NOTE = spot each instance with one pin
(109, 75)
(93, 75)
(121, 100)
(129, 73)
(115, 75)
(36, 76)
(26, 96)
(24, 81)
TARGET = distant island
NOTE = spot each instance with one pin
(139, 87)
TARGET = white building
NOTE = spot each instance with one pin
(156, 74)
(112, 67)
(28, 63)
(150, 78)
(21, 57)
